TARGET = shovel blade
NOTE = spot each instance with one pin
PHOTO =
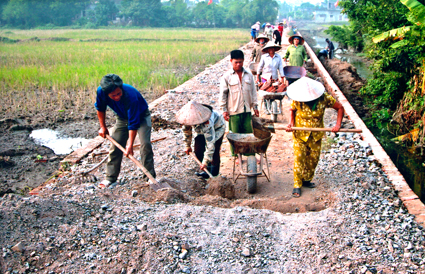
(160, 184)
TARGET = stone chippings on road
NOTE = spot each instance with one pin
(75, 227)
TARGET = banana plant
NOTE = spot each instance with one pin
(416, 16)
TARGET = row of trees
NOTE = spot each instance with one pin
(144, 13)
(390, 32)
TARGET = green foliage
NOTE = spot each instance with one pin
(32, 13)
(143, 13)
(346, 36)
(384, 90)
(397, 29)
(177, 13)
(105, 11)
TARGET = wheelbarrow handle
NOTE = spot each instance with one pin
(131, 157)
(199, 163)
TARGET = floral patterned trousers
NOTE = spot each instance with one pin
(306, 157)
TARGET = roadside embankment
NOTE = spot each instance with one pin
(406, 194)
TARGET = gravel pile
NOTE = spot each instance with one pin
(75, 227)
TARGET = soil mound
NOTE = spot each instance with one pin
(346, 77)
(222, 187)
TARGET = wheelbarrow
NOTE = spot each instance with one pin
(293, 73)
(253, 67)
(248, 143)
(272, 103)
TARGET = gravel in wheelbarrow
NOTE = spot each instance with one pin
(247, 143)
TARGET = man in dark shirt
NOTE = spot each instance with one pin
(330, 48)
(132, 118)
(277, 36)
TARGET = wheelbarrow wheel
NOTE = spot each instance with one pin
(275, 111)
(252, 180)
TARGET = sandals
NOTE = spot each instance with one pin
(309, 184)
(296, 193)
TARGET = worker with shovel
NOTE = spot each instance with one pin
(307, 110)
(209, 125)
(132, 117)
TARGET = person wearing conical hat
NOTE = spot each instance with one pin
(254, 29)
(132, 118)
(309, 101)
(238, 96)
(271, 65)
(269, 31)
(257, 52)
(296, 52)
(209, 126)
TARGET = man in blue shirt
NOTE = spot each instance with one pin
(330, 48)
(132, 117)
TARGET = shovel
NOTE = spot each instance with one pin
(263, 125)
(200, 164)
(155, 185)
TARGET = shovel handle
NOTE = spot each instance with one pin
(328, 129)
(131, 157)
(355, 130)
(199, 163)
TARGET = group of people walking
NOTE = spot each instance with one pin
(237, 103)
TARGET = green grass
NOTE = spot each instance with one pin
(41, 72)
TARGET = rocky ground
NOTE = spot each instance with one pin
(73, 226)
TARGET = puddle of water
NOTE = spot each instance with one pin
(409, 165)
(362, 68)
(59, 144)
(321, 43)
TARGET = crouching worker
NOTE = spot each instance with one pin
(307, 110)
(209, 127)
(132, 118)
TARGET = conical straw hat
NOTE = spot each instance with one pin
(193, 113)
(261, 36)
(305, 90)
(271, 44)
(291, 39)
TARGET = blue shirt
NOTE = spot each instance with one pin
(130, 107)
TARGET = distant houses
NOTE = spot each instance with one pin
(329, 12)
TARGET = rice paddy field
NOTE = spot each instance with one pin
(56, 69)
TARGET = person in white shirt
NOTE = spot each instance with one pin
(271, 65)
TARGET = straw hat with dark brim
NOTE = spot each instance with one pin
(193, 113)
(269, 45)
(291, 39)
(261, 36)
(305, 90)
